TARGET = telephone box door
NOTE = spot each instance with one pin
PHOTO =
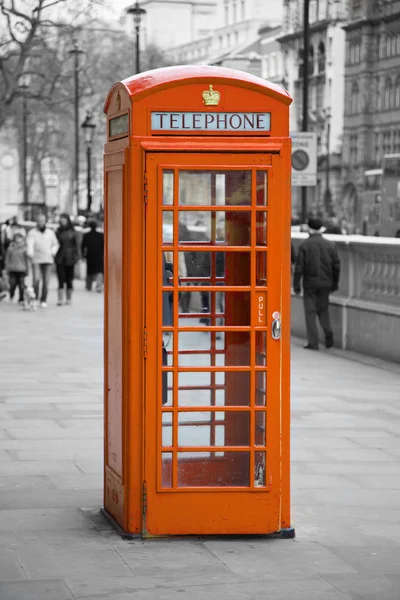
(213, 348)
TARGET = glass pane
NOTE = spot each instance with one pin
(261, 388)
(261, 228)
(192, 340)
(167, 428)
(259, 438)
(167, 387)
(259, 469)
(214, 389)
(215, 308)
(168, 228)
(213, 188)
(167, 309)
(216, 268)
(217, 469)
(230, 228)
(166, 469)
(262, 188)
(261, 268)
(198, 428)
(168, 187)
(168, 347)
(261, 348)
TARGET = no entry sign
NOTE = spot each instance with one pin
(304, 158)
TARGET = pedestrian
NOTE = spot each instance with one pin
(318, 265)
(332, 226)
(93, 251)
(12, 227)
(17, 266)
(42, 246)
(67, 256)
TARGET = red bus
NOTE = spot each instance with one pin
(381, 199)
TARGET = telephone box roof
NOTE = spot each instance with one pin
(156, 80)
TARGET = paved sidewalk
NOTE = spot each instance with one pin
(55, 546)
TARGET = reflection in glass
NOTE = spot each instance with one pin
(259, 437)
(167, 428)
(216, 268)
(168, 228)
(198, 428)
(167, 309)
(219, 388)
(261, 268)
(204, 303)
(167, 388)
(261, 388)
(168, 187)
(166, 470)
(259, 469)
(262, 188)
(228, 469)
(230, 228)
(261, 228)
(261, 348)
(168, 345)
(213, 188)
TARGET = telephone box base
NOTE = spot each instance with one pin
(282, 534)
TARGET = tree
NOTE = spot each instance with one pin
(28, 29)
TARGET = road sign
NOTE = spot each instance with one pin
(304, 158)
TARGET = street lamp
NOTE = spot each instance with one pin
(24, 86)
(88, 127)
(306, 64)
(137, 13)
(76, 52)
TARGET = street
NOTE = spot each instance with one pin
(55, 545)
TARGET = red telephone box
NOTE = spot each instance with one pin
(197, 298)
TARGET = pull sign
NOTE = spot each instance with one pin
(261, 305)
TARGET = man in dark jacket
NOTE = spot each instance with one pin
(318, 265)
(93, 251)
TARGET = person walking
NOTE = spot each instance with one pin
(67, 256)
(93, 251)
(12, 227)
(318, 265)
(17, 266)
(42, 246)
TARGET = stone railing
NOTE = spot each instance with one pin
(365, 311)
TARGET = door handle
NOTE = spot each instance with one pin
(276, 328)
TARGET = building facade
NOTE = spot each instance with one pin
(326, 91)
(372, 98)
(172, 22)
(235, 30)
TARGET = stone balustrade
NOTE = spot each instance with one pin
(365, 311)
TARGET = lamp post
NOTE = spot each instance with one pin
(137, 13)
(88, 127)
(328, 195)
(24, 86)
(306, 57)
(76, 52)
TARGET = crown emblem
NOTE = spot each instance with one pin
(211, 97)
(118, 102)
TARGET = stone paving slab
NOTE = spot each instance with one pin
(54, 545)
